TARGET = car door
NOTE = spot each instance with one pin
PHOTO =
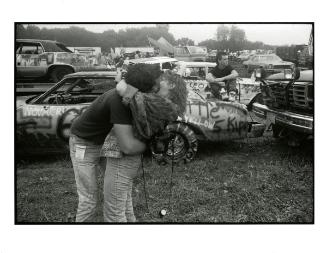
(216, 120)
(30, 61)
(45, 125)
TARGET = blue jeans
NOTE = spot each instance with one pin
(118, 182)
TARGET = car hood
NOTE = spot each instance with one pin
(305, 76)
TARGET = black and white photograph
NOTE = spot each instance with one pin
(164, 123)
(172, 126)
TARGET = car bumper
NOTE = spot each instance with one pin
(294, 121)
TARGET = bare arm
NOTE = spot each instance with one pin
(211, 79)
(129, 145)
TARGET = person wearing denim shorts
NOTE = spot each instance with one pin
(88, 133)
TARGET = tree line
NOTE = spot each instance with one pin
(233, 39)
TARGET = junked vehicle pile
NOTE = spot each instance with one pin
(43, 121)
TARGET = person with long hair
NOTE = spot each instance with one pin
(151, 112)
(88, 133)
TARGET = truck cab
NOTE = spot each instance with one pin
(287, 104)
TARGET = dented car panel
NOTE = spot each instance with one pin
(39, 58)
(216, 120)
(43, 122)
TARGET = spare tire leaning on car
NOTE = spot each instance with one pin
(177, 144)
(58, 72)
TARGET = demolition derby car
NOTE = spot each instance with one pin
(49, 59)
(287, 104)
(194, 74)
(43, 122)
(270, 62)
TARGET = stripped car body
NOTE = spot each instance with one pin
(51, 59)
(43, 122)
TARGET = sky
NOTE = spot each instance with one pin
(272, 34)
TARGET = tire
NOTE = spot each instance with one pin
(180, 145)
(59, 72)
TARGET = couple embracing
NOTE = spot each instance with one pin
(118, 125)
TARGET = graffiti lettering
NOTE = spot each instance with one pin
(201, 122)
(214, 112)
(28, 121)
(42, 112)
(66, 120)
(234, 126)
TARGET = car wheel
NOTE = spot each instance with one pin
(180, 145)
(58, 73)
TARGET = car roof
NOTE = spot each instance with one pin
(93, 74)
(197, 64)
(37, 40)
(153, 60)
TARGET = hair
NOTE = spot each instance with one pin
(178, 94)
(142, 76)
(219, 55)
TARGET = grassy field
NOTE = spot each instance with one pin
(250, 181)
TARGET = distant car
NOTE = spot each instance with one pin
(244, 57)
(48, 59)
(165, 63)
(190, 53)
(194, 70)
(270, 62)
(43, 122)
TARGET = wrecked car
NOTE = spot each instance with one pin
(165, 63)
(270, 62)
(287, 104)
(43, 122)
(48, 59)
(194, 74)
